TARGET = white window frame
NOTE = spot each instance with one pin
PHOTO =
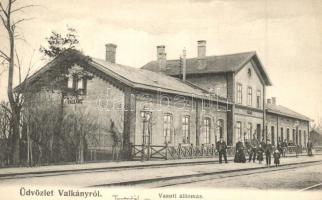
(239, 90)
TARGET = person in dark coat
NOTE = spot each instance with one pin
(279, 146)
(268, 152)
(277, 156)
(253, 150)
(240, 154)
(309, 147)
(284, 147)
(222, 150)
(260, 153)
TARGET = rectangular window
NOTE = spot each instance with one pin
(294, 137)
(206, 131)
(249, 131)
(249, 96)
(186, 129)
(238, 131)
(258, 99)
(300, 137)
(304, 134)
(239, 93)
(288, 135)
(167, 125)
(70, 83)
(77, 83)
(80, 84)
(220, 129)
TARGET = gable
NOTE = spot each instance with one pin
(250, 75)
(212, 65)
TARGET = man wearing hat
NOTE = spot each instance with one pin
(222, 149)
(268, 152)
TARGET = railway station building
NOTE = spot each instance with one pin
(186, 103)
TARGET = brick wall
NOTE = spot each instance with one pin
(299, 126)
(192, 107)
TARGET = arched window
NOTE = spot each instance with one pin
(167, 126)
(273, 135)
(186, 129)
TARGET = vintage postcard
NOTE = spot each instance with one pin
(160, 100)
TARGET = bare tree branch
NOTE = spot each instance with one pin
(21, 8)
(6, 108)
(3, 21)
(19, 21)
(3, 10)
(4, 55)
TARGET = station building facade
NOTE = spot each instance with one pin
(187, 101)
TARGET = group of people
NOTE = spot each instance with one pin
(256, 151)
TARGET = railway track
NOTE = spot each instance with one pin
(191, 178)
(103, 169)
(312, 187)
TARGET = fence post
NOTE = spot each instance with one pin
(131, 151)
(166, 151)
(212, 149)
(142, 153)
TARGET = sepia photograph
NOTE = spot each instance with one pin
(160, 100)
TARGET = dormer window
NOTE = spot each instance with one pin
(70, 83)
(77, 84)
(80, 84)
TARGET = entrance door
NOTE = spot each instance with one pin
(146, 139)
(258, 132)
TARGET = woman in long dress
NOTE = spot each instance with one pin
(240, 154)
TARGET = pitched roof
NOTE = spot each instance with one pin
(145, 79)
(213, 64)
(133, 77)
(281, 110)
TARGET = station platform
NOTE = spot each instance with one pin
(17, 171)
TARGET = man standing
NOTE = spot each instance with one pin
(309, 148)
(222, 149)
(253, 150)
(117, 141)
(268, 152)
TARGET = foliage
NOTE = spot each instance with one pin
(57, 43)
(79, 129)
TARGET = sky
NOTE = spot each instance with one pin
(286, 34)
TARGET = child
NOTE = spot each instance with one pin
(277, 156)
(260, 153)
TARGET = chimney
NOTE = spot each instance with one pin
(274, 101)
(269, 101)
(161, 57)
(184, 65)
(202, 49)
(201, 54)
(110, 51)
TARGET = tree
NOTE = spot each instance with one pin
(10, 22)
(79, 126)
(58, 43)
